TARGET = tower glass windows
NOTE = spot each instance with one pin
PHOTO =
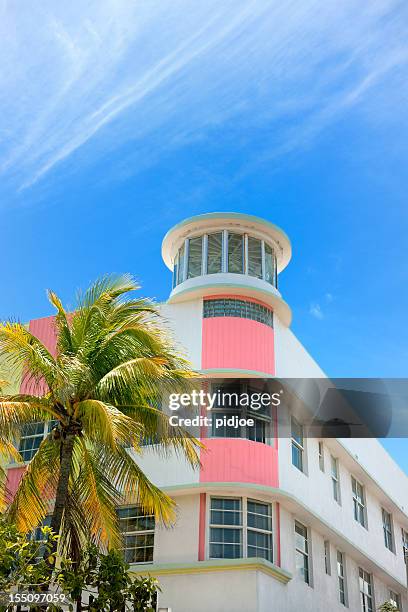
(236, 253)
(214, 253)
(225, 251)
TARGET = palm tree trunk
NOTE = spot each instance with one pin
(67, 447)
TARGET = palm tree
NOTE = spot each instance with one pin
(113, 363)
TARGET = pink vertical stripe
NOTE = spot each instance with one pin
(237, 343)
(239, 460)
(202, 527)
(14, 476)
(277, 535)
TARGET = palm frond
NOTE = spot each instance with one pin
(135, 487)
(37, 486)
(96, 493)
(64, 339)
(20, 348)
(106, 424)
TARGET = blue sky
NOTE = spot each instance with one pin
(119, 118)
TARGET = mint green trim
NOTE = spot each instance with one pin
(214, 565)
(275, 293)
(238, 371)
(290, 497)
(227, 215)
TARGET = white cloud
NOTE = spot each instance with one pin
(329, 297)
(316, 311)
(160, 74)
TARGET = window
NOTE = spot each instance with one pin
(260, 431)
(269, 265)
(225, 251)
(341, 574)
(405, 544)
(321, 456)
(335, 478)
(137, 530)
(195, 251)
(297, 444)
(395, 600)
(359, 502)
(37, 536)
(230, 307)
(327, 564)
(240, 527)
(259, 521)
(214, 253)
(226, 528)
(175, 270)
(180, 273)
(235, 253)
(366, 591)
(32, 434)
(254, 257)
(302, 552)
(387, 529)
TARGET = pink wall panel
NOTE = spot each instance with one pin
(238, 460)
(14, 476)
(44, 330)
(237, 343)
(201, 527)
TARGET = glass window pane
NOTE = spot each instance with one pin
(214, 256)
(175, 270)
(180, 273)
(254, 257)
(269, 265)
(225, 543)
(260, 545)
(195, 250)
(235, 253)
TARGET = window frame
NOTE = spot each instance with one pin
(189, 260)
(335, 479)
(245, 412)
(359, 503)
(321, 456)
(366, 598)
(136, 532)
(341, 577)
(404, 537)
(243, 527)
(306, 554)
(388, 531)
(296, 445)
(47, 427)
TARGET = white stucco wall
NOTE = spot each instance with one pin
(291, 358)
(185, 322)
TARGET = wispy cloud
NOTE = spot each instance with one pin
(316, 311)
(159, 74)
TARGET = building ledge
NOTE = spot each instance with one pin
(214, 565)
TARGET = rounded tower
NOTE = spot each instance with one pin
(232, 262)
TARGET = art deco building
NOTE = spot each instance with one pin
(270, 522)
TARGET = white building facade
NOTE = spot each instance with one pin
(291, 524)
(270, 522)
